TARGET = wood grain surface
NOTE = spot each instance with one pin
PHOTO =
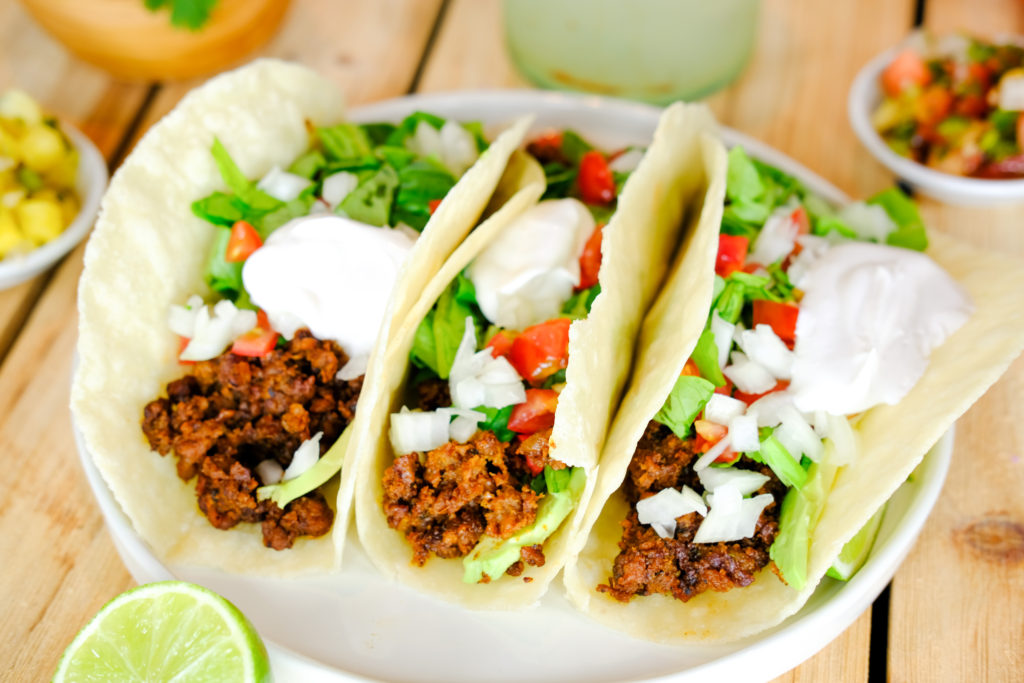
(956, 610)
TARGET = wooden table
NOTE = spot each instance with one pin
(955, 610)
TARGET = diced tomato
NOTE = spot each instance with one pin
(725, 389)
(433, 204)
(973, 106)
(541, 350)
(750, 398)
(535, 414)
(906, 70)
(1020, 131)
(534, 451)
(712, 432)
(547, 147)
(182, 343)
(257, 342)
(590, 259)
(501, 343)
(732, 253)
(690, 369)
(934, 104)
(595, 180)
(243, 241)
(802, 220)
(782, 318)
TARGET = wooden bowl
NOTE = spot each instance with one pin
(131, 42)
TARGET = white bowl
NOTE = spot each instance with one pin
(91, 182)
(358, 625)
(865, 96)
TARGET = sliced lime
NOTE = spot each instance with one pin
(166, 631)
(855, 552)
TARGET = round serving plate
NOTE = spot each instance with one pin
(357, 625)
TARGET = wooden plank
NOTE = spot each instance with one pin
(965, 577)
(76, 93)
(370, 49)
(59, 563)
(841, 660)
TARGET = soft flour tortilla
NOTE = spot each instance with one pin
(893, 439)
(148, 251)
(637, 246)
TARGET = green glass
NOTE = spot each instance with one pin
(652, 50)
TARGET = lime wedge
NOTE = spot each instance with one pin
(855, 552)
(166, 631)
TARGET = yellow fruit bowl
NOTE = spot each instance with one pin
(90, 183)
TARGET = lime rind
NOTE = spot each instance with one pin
(171, 630)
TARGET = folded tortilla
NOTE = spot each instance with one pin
(893, 438)
(637, 246)
(148, 251)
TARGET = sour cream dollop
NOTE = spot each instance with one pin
(526, 274)
(870, 317)
(328, 273)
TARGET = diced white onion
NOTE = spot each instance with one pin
(748, 376)
(1011, 92)
(723, 332)
(731, 517)
(337, 186)
(355, 367)
(770, 408)
(843, 439)
(477, 378)
(418, 431)
(797, 436)
(269, 472)
(720, 409)
(745, 481)
(776, 238)
(820, 424)
(869, 221)
(425, 141)
(627, 161)
(662, 509)
(283, 185)
(462, 429)
(709, 457)
(743, 434)
(305, 457)
(182, 319)
(763, 346)
(458, 148)
(212, 334)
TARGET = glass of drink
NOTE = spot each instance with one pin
(652, 50)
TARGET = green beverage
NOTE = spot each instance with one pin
(653, 50)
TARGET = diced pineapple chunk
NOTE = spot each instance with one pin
(40, 220)
(11, 239)
(18, 104)
(42, 148)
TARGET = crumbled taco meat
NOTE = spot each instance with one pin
(446, 499)
(648, 564)
(432, 394)
(233, 412)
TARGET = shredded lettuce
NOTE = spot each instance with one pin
(801, 509)
(497, 421)
(705, 356)
(439, 333)
(420, 183)
(910, 232)
(775, 455)
(371, 201)
(687, 398)
(577, 307)
(345, 142)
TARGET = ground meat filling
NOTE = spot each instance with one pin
(648, 564)
(443, 501)
(233, 412)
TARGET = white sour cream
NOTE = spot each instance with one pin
(526, 274)
(331, 274)
(869, 318)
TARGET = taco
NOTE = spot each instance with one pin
(504, 376)
(795, 369)
(272, 239)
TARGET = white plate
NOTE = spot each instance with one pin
(865, 96)
(358, 625)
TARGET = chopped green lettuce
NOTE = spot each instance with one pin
(251, 196)
(687, 398)
(800, 512)
(910, 232)
(371, 201)
(497, 421)
(420, 183)
(787, 469)
(493, 556)
(345, 142)
(439, 333)
(705, 356)
(577, 307)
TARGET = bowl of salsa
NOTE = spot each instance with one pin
(946, 115)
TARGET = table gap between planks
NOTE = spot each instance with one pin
(792, 96)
